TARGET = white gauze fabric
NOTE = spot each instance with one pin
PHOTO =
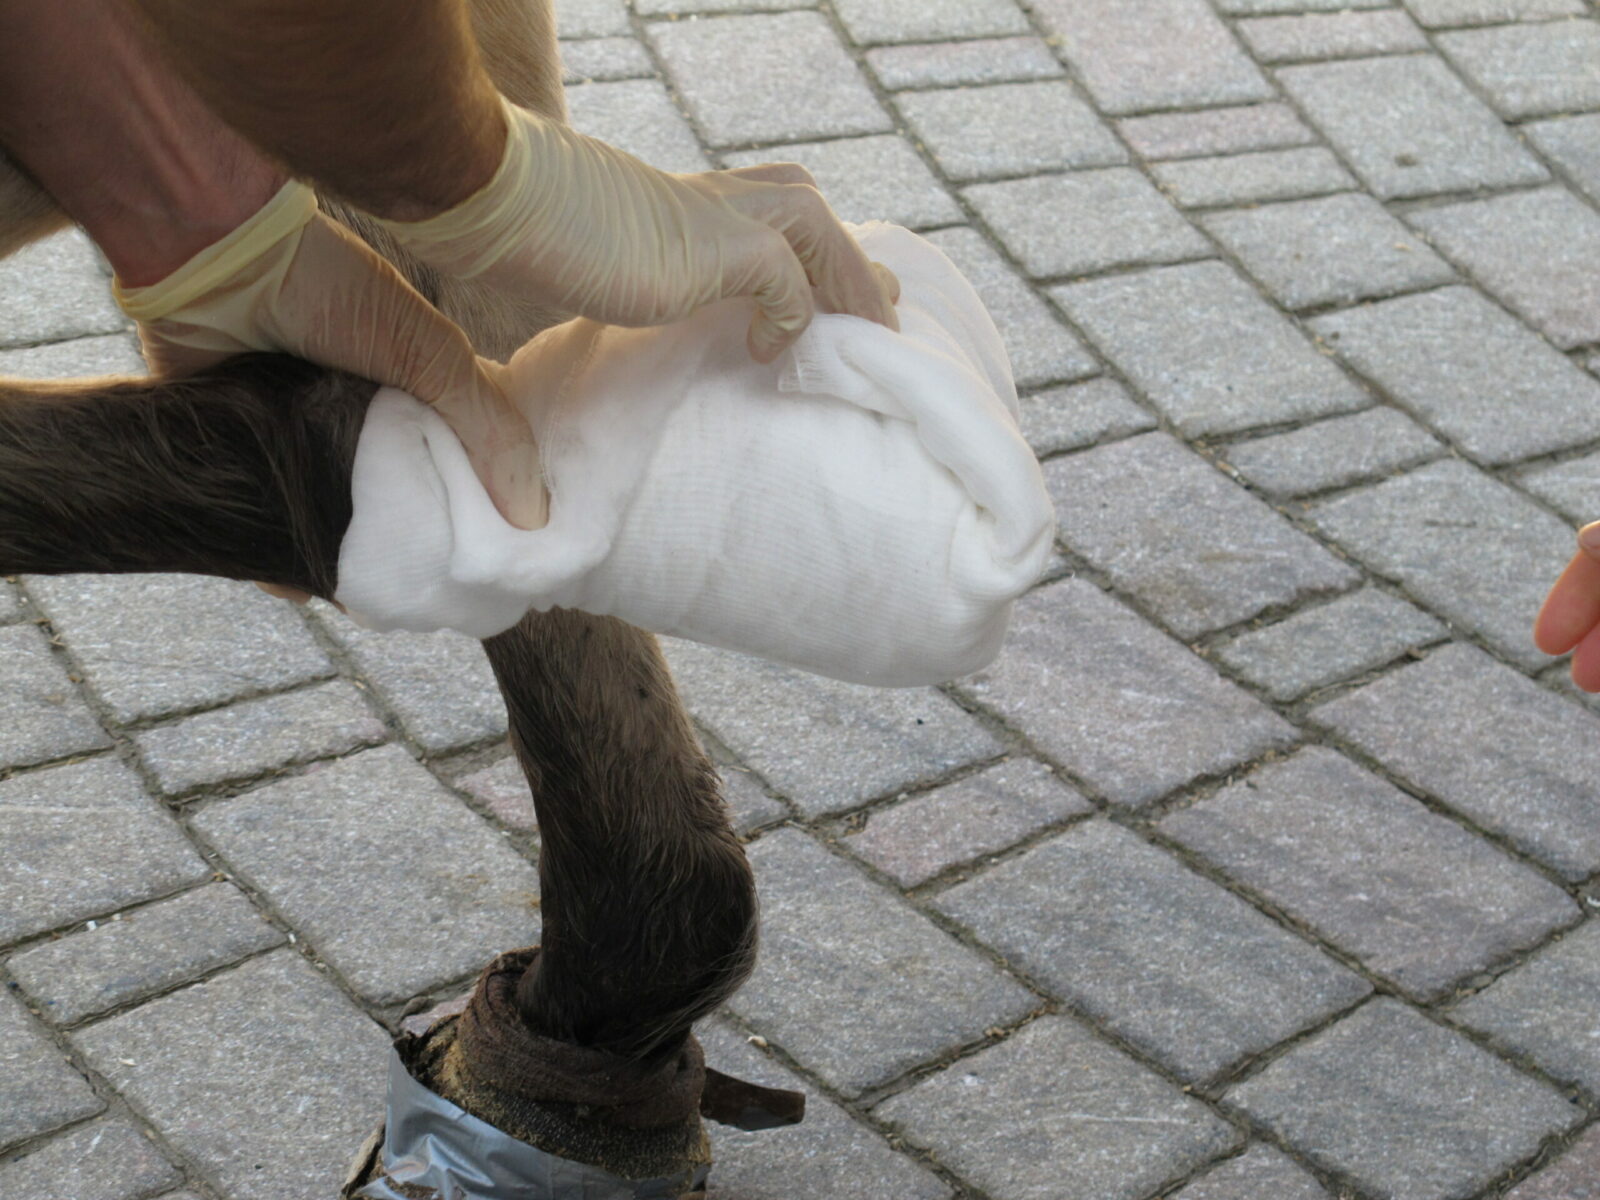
(863, 508)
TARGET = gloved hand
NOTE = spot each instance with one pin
(1570, 618)
(590, 230)
(290, 279)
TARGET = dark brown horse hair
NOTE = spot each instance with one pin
(648, 903)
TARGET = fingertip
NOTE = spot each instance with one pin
(765, 341)
(1589, 539)
(1572, 609)
(891, 284)
(1586, 662)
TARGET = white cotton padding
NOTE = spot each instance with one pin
(863, 508)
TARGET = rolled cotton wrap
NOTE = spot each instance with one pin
(863, 508)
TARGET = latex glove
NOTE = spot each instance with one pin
(590, 230)
(1571, 613)
(290, 279)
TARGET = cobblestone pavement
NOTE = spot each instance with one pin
(1260, 867)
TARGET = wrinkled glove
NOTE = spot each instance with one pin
(590, 230)
(290, 279)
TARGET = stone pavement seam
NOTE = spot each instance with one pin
(449, 766)
(112, 1102)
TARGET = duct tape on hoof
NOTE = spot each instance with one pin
(430, 1149)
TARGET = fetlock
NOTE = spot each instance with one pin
(637, 1120)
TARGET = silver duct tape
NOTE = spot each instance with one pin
(433, 1150)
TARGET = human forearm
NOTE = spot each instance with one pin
(123, 145)
(382, 101)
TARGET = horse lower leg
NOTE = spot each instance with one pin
(244, 472)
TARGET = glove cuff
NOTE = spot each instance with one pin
(290, 209)
(473, 236)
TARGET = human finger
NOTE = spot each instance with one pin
(847, 281)
(890, 282)
(782, 172)
(784, 307)
(843, 276)
(1572, 609)
(1586, 662)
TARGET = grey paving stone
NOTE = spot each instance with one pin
(141, 952)
(11, 608)
(637, 116)
(853, 983)
(1534, 70)
(155, 644)
(503, 790)
(1329, 251)
(1532, 772)
(1258, 1173)
(915, 840)
(749, 807)
(1067, 418)
(599, 59)
(1322, 645)
(390, 878)
(1572, 486)
(1573, 144)
(1330, 35)
(1115, 219)
(1207, 351)
(41, 714)
(652, 8)
(1529, 249)
(1478, 553)
(1270, 126)
(84, 839)
(107, 1160)
(254, 736)
(868, 179)
(1121, 706)
(950, 64)
(1470, 371)
(869, 21)
(1157, 54)
(108, 354)
(1252, 178)
(1412, 896)
(1177, 535)
(831, 1154)
(1042, 350)
(773, 78)
(54, 290)
(592, 18)
(1253, 7)
(1404, 1107)
(39, 1089)
(1181, 968)
(1063, 1115)
(1333, 453)
(1559, 679)
(438, 684)
(202, 1066)
(1437, 13)
(825, 745)
(1544, 1008)
(1409, 127)
(1574, 1176)
(1010, 129)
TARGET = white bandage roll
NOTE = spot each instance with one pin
(864, 507)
